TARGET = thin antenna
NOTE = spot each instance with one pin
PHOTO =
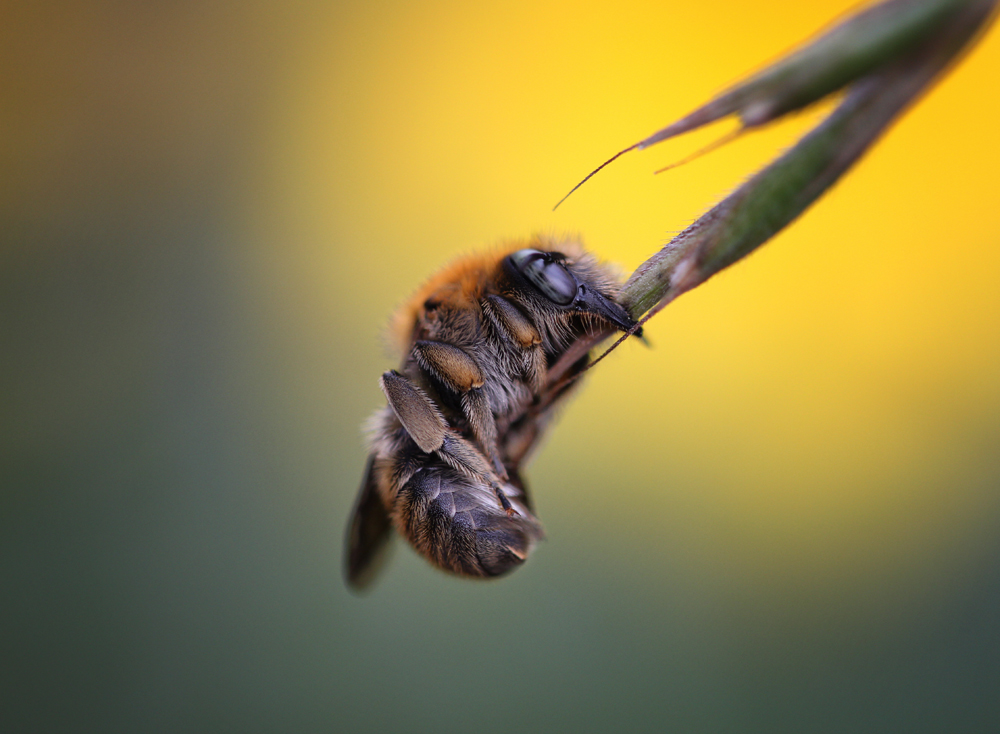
(613, 347)
(589, 175)
(566, 381)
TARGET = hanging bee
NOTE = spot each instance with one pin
(493, 343)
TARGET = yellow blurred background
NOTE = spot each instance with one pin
(784, 516)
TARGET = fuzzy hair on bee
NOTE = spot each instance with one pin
(490, 347)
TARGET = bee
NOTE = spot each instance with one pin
(492, 344)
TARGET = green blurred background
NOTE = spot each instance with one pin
(785, 516)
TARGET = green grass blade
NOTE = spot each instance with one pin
(780, 192)
(849, 51)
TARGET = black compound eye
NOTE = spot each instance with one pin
(548, 276)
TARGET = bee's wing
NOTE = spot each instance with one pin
(367, 534)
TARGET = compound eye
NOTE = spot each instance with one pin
(547, 275)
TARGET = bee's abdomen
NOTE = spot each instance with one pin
(459, 525)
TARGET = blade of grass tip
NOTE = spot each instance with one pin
(780, 192)
(714, 145)
(849, 50)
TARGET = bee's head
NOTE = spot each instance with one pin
(550, 277)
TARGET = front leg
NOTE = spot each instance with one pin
(517, 328)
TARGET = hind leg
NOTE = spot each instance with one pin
(429, 430)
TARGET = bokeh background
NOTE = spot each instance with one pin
(784, 516)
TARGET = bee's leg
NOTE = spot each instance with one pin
(463, 456)
(460, 374)
(426, 426)
(518, 329)
(429, 430)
